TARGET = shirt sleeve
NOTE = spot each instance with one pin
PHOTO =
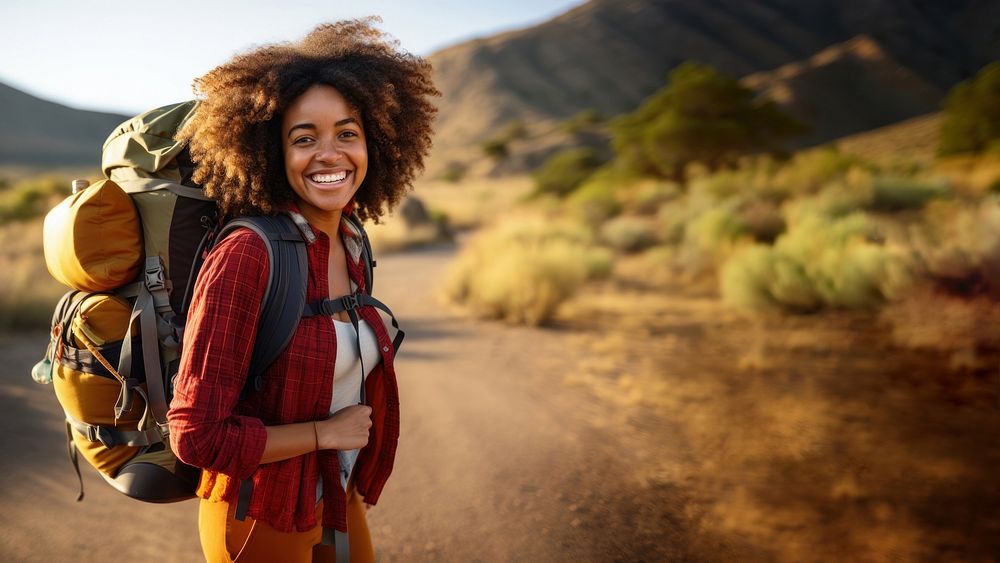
(217, 346)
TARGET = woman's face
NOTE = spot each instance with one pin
(326, 158)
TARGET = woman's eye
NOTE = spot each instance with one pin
(301, 140)
(349, 134)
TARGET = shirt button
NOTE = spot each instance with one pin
(385, 348)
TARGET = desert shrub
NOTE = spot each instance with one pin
(514, 130)
(761, 219)
(31, 198)
(895, 193)
(595, 201)
(710, 235)
(851, 194)
(565, 171)
(808, 172)
(599, 263)
(495, 148)
(453, 172)
(958, 245)
(820, 263)
(523, 269)
(628, 234)
(715, 229)
(720, 185)
(646, 196)
(671, 220)
(972, 114)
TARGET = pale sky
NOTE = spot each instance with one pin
(130, 56)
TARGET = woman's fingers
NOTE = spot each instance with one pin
(347, 429)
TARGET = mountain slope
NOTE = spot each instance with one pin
(610, 54)
(35, 131)
(854, 86)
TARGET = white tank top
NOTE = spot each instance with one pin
(347, 381)
(347, 371)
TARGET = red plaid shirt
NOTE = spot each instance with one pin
(211, 428)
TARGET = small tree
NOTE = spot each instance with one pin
(972, 114)
(564, 171)
(701, 115)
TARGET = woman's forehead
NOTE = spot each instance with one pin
(320, 104)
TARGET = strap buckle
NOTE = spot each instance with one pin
(350, 302)
(154, 274)
(102, 435)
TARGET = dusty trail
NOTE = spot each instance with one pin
(499, 459)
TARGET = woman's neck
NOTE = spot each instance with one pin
(326, 221)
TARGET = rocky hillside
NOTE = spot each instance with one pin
(610, 54)
(38, 132)
(850, 87)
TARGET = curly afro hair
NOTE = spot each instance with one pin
(235, 134)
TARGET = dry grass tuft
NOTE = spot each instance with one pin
(524, 268)
(28, 293)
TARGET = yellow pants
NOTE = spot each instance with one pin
(224, 539)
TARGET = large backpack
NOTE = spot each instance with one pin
(131, 246)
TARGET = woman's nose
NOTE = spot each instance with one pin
(329, 152)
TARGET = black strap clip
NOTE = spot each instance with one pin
(350, 302)
(102, 435)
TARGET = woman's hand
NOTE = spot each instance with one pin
(347, 429)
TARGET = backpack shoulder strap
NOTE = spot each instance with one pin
(366, 252)
(285, 296)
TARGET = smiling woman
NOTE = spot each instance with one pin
(326, 159)
(330, 131)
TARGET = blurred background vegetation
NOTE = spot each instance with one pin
(698, 186)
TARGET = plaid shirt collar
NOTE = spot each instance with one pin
(352, 236)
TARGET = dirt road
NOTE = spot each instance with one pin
(498, 460)
(650, 424)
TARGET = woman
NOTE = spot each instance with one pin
(336, 124)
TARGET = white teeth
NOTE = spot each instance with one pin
(328, 178)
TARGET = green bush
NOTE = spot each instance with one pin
(972, 114)
(700, 115)
(31, 198)
(495, 149)
(820, 263)
(851, 194)
(628, 234)
(565, 171)
(595, 201)
(647, 196)
(893, 193)
(808, 172)
(715, 229)
(722, 185)
(522, 270)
